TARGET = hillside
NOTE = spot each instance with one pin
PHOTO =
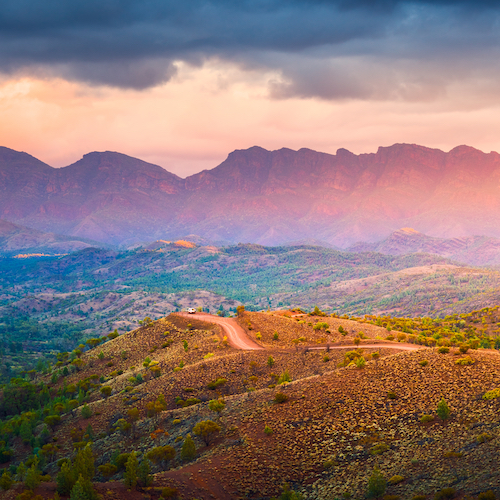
(473, 250)
(268, 197)
(98, 288)
(320, 421)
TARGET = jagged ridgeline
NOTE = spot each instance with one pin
(326, 406)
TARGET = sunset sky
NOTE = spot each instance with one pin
(181, 84)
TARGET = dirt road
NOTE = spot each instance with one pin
(238, 338)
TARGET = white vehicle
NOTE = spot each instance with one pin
(191, 310)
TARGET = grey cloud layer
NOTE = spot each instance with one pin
(326, 49)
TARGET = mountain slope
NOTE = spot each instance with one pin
(268, 197)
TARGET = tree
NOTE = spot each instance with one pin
(86, 411)
(83, 490)
(143, 474)
(6, 481)
(270, 361)
(206, 429)
(131, 471)
(188, 450)
(376, 484)
(25, 431)
(161, 454)
(84, 463)
(240, 310)
(33, 475)
(66, 479)
(443, 410)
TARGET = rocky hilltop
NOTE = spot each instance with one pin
(269, 197)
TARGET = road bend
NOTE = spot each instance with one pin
(238, 338)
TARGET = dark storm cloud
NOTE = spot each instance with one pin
(327, 49)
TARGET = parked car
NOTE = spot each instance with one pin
(191, 310)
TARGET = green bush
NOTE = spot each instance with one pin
(484, 438)
(443, 350)
(378, 449)
(280, 397)
(493, 394)
(443, 410)
(487, 495)
(425, 419)
(466, 361)
(396, 479)
(445, 494)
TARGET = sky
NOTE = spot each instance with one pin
(182, 84)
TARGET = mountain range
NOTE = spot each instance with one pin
(267, 197)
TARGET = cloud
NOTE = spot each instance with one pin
(339, 49)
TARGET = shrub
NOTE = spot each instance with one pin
(392, 395)
(280, 397)
(107, 470)
(360, 362)
(396, 479)
(376, 484)
(268, 430)
(217, 405)
(424, 362)
(445, 494)
(206, 429)
(275, 336)
(487, 495)
(484, 438)
(121, 460)
(106, 391)
(216, 383)
(169, 492)
(452, 454)
(419, 497)
(463, 348)
(425, 419)
(52, 420)
(493, 394)
(443, 410)
(208, 355)
(378, 449)
(467, 361)
(161, 454)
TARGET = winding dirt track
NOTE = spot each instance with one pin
(238, 338)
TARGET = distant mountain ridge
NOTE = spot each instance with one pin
(475, 250)
(16, 239)
(255, 195)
